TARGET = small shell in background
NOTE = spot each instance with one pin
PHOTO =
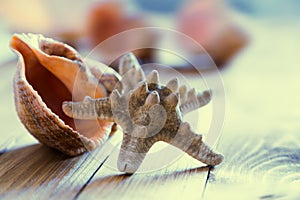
(211, 25)
(106, 20)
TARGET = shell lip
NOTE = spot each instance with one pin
(37, 42)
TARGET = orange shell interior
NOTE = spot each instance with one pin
(53, 92)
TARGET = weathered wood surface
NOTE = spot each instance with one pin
(260, 141)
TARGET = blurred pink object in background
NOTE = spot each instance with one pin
(208, 23)
(109, 18)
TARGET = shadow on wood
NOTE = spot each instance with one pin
(120, 178)
(148, 185)
(32, 166)
(38, 171)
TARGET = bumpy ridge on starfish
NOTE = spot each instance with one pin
(192, 100)
(131, 72)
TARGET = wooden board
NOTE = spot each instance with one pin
(38, 171)
(184, 178)
(267, 167)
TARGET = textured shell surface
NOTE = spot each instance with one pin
(48, 73)
(148, 112)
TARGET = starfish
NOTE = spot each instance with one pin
(148, 112)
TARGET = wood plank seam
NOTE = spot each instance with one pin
(89, 180)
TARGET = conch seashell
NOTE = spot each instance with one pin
(48, 73)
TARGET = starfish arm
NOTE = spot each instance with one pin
(89, 109)
(192, 144)
(134, 149)
(194, 101)
(120, 112)
(123, 119)
(131, 72)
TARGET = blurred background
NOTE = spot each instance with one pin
(219, 26)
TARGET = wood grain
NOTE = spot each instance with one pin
(183, 179)
(47, 173)
(268, 166)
